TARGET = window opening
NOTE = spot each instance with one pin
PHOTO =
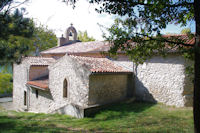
(36, 93)
(65, 88)
(25, 101)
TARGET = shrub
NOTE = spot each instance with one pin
(5, 83)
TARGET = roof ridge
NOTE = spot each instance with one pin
(39, 57)
(87, 56)
(76, 47)
(175, 35)
(50, 49)
(99, 64)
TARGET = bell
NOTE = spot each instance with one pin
(70, 33)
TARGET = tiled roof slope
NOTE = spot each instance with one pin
(79, 47)
(40, 60)
(183, 37)
(98, 65)
(40, 83)
(98, 46)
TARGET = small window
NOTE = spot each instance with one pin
(36, 93)
(65, 88)
(25, 98)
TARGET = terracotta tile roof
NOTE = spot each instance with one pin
(99, 65)
(40, 60)
(98, 46)
(40, 83)
(103, 48)
(183, 37)
(79, 47)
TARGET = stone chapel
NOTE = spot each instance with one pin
(75, 77)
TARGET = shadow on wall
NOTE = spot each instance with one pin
(188, 89)
(141, 92)
(42, 93)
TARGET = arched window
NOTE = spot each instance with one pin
(65, 88)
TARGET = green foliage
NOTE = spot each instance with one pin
(15, 30)
(123, 117)
(19, 36)
(83, 36)
(14, 48)
(138, 34)
(15, 24)
(158, 13)
(186, 31)
(6, 80)
(140, 44)
(42, 38)
(5, 83)
(6, 68)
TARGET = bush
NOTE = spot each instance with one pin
(5, 83)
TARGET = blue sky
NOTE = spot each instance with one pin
(172, 28)
(58, 16)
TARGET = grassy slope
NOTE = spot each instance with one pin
(124, 117)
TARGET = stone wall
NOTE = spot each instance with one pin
(20, 77)
(77, 77)
(21, 74)
(41, 103)
(163, 80)
(107, 88)
(72, 110)
(53, 101)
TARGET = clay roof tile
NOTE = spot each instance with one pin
(99, 65)
(79, 47)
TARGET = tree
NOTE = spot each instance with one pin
(5, 83)
(15, 30)
(42, 39)
(83, 36)
(146, 18)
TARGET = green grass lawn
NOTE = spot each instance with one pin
(124, 117)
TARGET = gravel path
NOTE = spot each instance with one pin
(6, 99)
(6, 103)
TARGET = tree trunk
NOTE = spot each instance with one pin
(196, 99)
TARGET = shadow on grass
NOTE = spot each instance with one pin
(28, 122)
(14, 124)
(118, 110)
